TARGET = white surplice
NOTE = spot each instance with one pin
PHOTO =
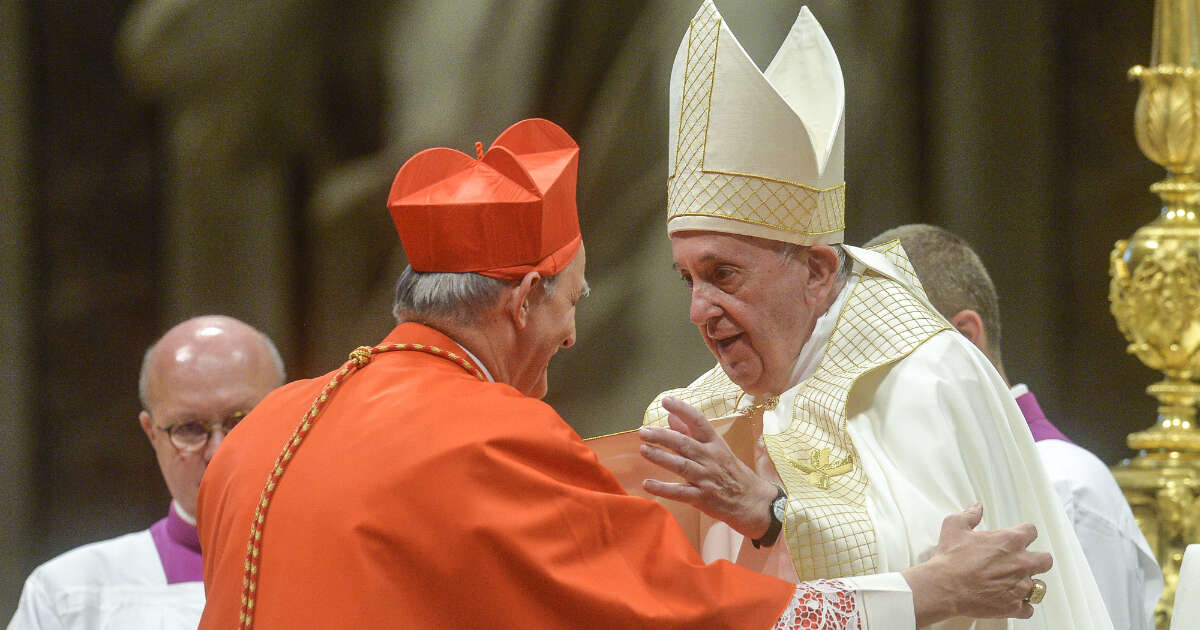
(116, 584)
(1121, 560)
(1186, 614)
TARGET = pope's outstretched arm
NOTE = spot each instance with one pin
(982, 574)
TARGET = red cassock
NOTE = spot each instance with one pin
(426, 498)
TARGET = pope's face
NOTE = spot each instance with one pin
(748, 301)
(550, 328)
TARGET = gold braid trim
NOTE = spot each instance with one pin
(359, 359)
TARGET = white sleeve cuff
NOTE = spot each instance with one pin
(886, 601)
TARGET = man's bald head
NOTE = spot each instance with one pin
(200, 341)
(200, 379)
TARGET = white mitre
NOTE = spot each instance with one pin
(757, 153)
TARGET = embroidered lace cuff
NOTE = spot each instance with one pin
(822, 605)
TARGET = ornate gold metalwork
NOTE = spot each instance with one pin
(1155, 295)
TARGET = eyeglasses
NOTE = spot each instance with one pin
(194, 436)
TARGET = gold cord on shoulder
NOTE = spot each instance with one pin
(359, 359)
(361, 356)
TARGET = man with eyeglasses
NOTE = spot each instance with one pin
(196, 383)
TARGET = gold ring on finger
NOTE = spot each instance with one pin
(1037, 592)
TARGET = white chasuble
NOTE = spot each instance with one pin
(896, 422)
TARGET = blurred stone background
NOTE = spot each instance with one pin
(167, 158)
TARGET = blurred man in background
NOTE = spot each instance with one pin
(196, 384)
(960, 289)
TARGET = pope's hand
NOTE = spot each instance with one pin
(973, 573)
(714, 480)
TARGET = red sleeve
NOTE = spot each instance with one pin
(548, 528)
(483, 509)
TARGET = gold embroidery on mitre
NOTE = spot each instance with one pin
(828, 530)
(693, 190)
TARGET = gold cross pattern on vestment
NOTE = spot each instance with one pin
(820, 469)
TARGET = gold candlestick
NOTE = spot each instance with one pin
(1155, 295)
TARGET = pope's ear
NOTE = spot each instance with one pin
(520, 298)
(822, 263)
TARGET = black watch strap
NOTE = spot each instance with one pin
(776, 525)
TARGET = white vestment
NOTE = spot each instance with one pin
(1186, 614)
(116, 584)
(932, 432)
(1129, 577)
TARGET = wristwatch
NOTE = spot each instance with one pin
(776, 511)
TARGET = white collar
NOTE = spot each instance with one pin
(810, 355)
(183, 514)
(1019, 390)
(475, 359)
(808, 359)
